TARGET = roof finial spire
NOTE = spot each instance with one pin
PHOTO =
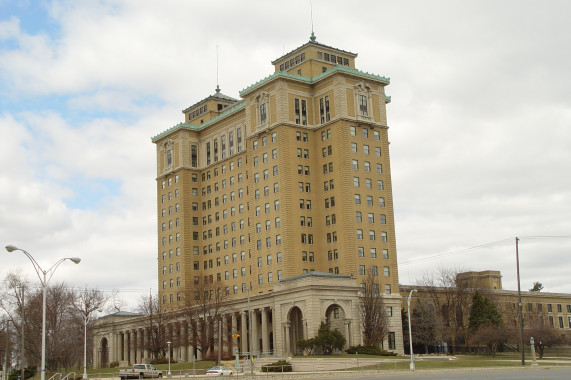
(217, 87)
(312, 38)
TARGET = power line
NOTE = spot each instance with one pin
(485, 245)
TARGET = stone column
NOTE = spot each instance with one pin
(132, 349)
(254, 332)
(274, 331)
(234, 331)
(243, 333)
(287, 338)
(265, 337)
(347, 333)
(125, 342)
(184, 342)
(135, 346)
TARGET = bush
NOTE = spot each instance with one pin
(162, 360)
(369, 350)
(114, 364)
(279, 366)
(29, 371)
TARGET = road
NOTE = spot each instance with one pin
(471, 374)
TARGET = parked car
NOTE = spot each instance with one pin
(219, 371)
(140, 371)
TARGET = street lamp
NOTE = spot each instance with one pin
(45, 277)
(169, 343)
(409, 329)
(86, 317)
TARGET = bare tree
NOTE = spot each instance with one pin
(116, 303)
(86, 304)
(452, 303)
(12, 303)
(374, 319)
(423, 321)
(155, 325)
(492, 336)
(204, 306)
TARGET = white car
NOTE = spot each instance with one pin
(219, 371)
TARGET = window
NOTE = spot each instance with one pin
(363, 105)
(358, 216)
(360, 252)
(280, 275)
(361, 270)
(324, 109)
(263, 113)
(356, 181)
(365, 149)
(359, 234)
(353, 147)
(383, 236)
(371, 217)
(386, 271)
(367, 166)
(355, 164)
(300, 111)
(387, 289)
(378, 151)
(392, 340)
(353, 131)
(371, 235)
(374, 270)
(357, 199)
(379, 168)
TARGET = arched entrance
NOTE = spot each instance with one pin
(336, 318)
(295, 320)
(103, 353)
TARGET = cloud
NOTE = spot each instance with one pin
(478, 122)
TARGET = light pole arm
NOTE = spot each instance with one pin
(37, 266)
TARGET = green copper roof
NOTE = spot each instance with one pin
(315, 274)
(339, 68)
(278, 74)
(228, 111)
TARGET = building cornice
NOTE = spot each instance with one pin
(227, 112)
(303, 79)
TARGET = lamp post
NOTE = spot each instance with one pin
(519, 304)
(169, 354)
(86, 317)
(410, 330)
(45, 276)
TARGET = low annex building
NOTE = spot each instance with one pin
(293, 311)
(452, 305)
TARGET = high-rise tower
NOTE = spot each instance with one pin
(294, 177)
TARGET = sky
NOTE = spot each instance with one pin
(479, 124)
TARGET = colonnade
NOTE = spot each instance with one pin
(131, 344)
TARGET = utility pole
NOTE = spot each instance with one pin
(520, 306)
(22, 329)
(6, 352)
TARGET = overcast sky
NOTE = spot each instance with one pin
(480, 124)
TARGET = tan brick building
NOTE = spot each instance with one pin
(452, 308)
(291, 183)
